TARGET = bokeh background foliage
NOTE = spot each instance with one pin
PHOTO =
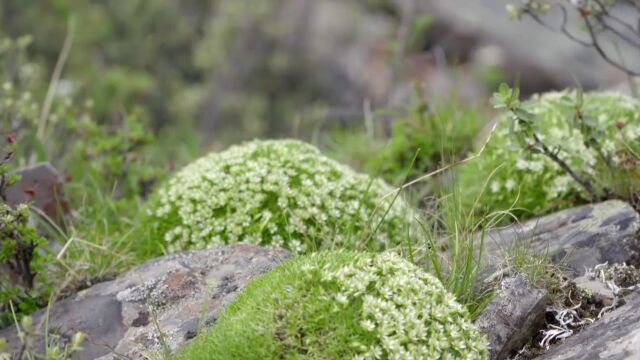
(119, 95)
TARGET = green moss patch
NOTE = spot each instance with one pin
(342, 305)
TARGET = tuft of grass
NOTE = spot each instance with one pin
(384, 144)
(55, 347)
(451, 241)
(538, 269)
(452, 249)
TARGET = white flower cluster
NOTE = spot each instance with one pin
(536, 180)
(408, 312)
(277, 193)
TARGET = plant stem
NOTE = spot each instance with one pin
(586, 184)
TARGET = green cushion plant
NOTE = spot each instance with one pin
(557, 150)
(342, 305)
(277, 193)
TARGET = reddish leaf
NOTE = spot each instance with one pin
(584, 12)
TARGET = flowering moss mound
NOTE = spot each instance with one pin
(277, 193)
(597, 136)
(342, 305)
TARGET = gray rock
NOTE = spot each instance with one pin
(181, 292)
(512, 317)
(578, 238)
(42, 185)
(614, 337)
(594, 287)
(544, 58)
(624, 87)
(334, 51)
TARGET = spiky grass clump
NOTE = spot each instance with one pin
(596, 135)
(277, 193)
(342, 305)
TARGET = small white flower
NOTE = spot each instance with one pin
(342, 299)
(522, 164)
(532, 171)
(368, 325)
(510, 184)
(495, 186)
(536, 166)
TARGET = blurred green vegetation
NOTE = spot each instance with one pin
(225, 66)
(440, 133)
(109, 168)
(125, 54)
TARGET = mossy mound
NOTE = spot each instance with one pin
(277, 193)
(596, 134)
(342, 305)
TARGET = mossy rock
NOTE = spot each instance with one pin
(342, 305)
(282, 193)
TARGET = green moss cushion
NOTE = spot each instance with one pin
(595, 146)
(278, 193)
(342, 305)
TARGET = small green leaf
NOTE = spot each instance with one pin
(13, 179)
(525, 116)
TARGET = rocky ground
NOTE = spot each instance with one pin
(594, 311)
(589, 313)
(162, 302)
(592, 314)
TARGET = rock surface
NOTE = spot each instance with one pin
(578, 238)
(512, 317)
(42, 185)
(335, 50)
(544, 57)
(614, 337)
(182, 292)
(595, 287)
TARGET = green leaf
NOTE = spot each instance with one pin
(525, 116)
(13, 179)
(506, 97)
